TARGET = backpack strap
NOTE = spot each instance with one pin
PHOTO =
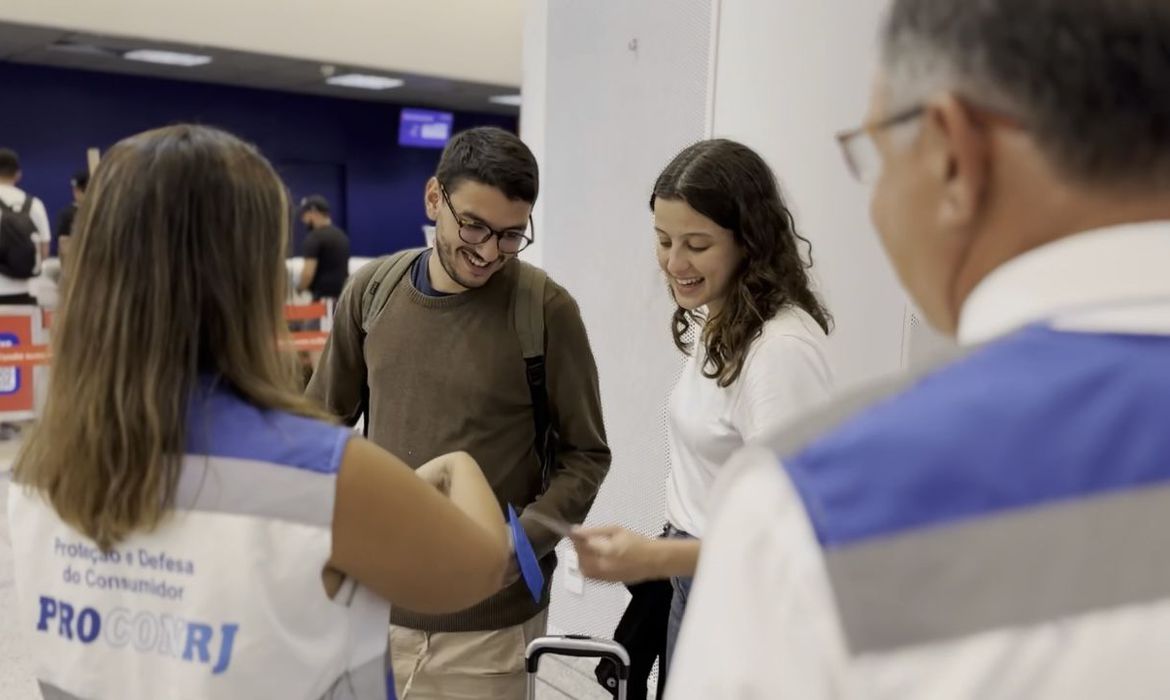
(528, 319)
(528, 310)
(24, 210)
(391, 269)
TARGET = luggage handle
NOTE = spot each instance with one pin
(579, 646)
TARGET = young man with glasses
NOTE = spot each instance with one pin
(440, 368)
(997, 527)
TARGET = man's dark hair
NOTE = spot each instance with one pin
(315, 202)
(9, 163)
(80, 179)
(1089, 79)
(492, 157)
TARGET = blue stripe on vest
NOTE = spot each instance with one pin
(222, 424)
(1038, 417)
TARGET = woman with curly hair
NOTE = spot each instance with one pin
(754, 333)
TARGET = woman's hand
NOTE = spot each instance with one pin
(613, 553)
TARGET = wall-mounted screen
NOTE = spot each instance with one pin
(424, 128)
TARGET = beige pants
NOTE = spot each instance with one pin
(462, 665)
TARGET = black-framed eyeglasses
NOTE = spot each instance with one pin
(861, 153)
(510, 242)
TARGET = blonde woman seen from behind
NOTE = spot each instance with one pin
(183, 521)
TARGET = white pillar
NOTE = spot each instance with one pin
(612, 91)
(790, 74)
(534, 75)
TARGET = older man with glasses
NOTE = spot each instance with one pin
(436, 366)
(996, 527)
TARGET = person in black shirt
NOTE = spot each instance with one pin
(65, 219)
(326, 251)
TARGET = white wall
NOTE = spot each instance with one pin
(622, 89)
(533, 116)
(476, 40)
(790, 74)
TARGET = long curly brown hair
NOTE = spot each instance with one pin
(731, 185)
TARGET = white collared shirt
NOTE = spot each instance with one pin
(1100, 275)
(762, 620)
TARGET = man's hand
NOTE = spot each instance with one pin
(614, 553)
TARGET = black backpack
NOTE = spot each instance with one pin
(18, 250)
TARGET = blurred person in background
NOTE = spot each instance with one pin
(24, 237)
(324, 265)
(65, 220)
(325, 251)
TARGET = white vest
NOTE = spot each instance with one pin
(225, 598)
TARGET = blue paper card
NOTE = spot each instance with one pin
(526, 557)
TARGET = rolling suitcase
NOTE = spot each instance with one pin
(584, 647)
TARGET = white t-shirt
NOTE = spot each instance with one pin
(786, 373)
(14, 197)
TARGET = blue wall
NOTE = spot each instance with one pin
(50, 116)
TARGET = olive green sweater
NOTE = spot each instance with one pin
(446, 374)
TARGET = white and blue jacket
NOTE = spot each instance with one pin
(225, 598)
(996, 528)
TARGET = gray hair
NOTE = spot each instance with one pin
(1089, 79)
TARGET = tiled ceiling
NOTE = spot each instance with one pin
(64, 49)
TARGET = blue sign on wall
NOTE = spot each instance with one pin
(424, 128)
